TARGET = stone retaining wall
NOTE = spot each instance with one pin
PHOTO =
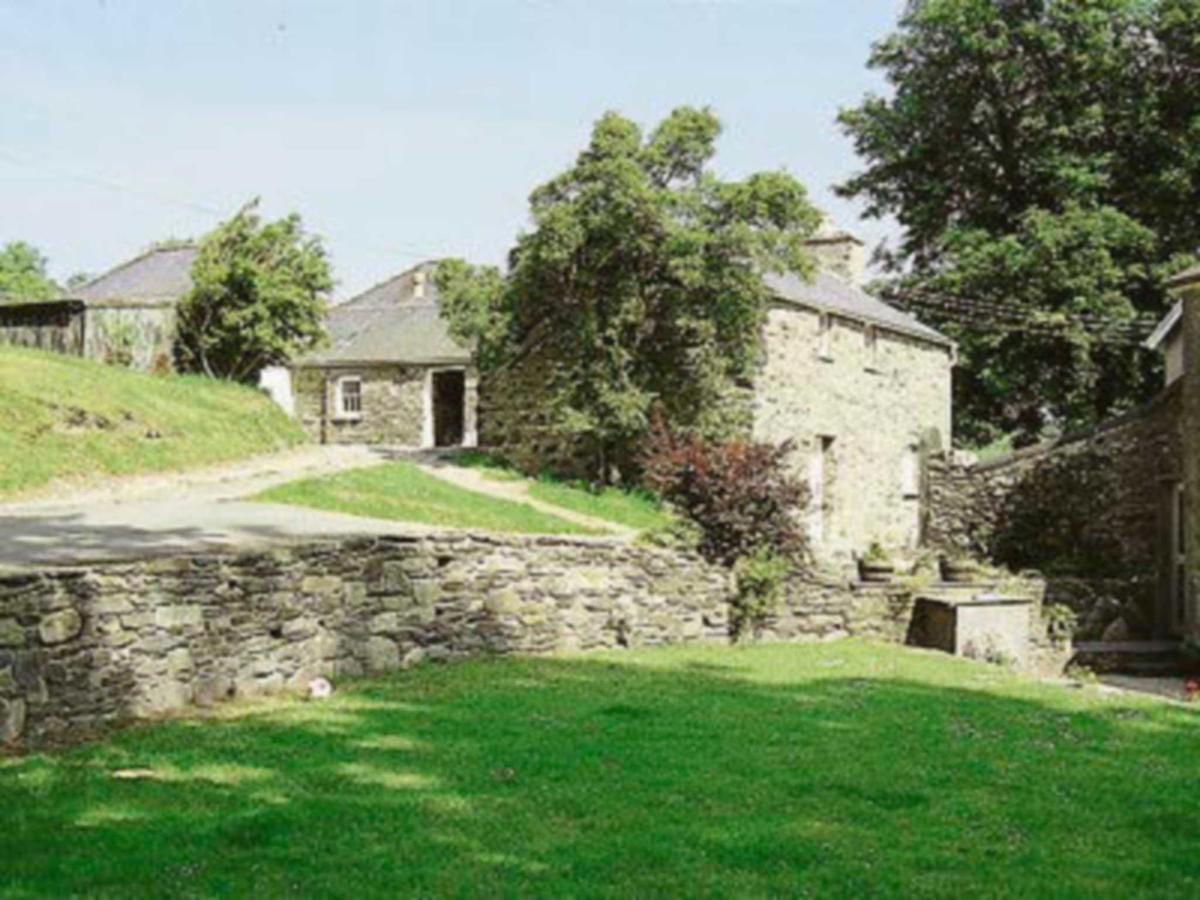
(83, 648)
(1091, 509)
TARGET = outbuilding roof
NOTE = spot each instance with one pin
(159, 276)
(396, 321)
(828, 293)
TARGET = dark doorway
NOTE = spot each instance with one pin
(449, 391)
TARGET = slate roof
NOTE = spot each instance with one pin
(158, 276)
(390, 323)
(828, 293)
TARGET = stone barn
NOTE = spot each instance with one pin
(861, 388)
(391, 373)
(125, 316)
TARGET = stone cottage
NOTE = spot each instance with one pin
(861, 388)
(126, 316)
(391, 373)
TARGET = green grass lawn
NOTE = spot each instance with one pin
(400, 490)
(633, 508)
(847, 769)
(64, 417)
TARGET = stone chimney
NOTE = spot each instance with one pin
(1186, 287)
(838, 252)
(419, 284)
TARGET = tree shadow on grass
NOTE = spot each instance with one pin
(584, 776)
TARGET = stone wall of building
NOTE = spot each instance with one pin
(141, 336)
(1091, 510)
(862, 412)
(80, 649)
(54, 325)
(514, 419)
(393, 405)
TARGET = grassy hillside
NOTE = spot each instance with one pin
(62, 417)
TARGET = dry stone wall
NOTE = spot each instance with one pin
(83, 648)
(1092, 511)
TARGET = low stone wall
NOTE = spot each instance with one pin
(84, 648)
(823, 608)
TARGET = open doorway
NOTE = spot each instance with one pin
(449, 394)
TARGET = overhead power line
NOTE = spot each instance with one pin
(1009, 318)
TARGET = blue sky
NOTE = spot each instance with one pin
(398, 130)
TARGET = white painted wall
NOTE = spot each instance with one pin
(277, 382)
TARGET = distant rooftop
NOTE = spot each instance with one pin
(396, 321)
(160, 275)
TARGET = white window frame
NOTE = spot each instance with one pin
(340, 412)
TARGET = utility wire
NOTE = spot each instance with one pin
(1003, 318)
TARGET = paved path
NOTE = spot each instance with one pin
(162, 514)
(516, 491)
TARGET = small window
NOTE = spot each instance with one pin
(825, 337)
(871, 348)
(910, 472)
(349, 398)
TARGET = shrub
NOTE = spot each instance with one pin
(741, 494)
(760, 579)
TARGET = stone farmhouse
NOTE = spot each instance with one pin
(861, 388)
(126, 315)
(391, 373)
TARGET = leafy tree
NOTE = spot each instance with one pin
(259, 295)
(23, 274)
(640, 281)
(1043, 154)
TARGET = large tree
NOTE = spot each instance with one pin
(259, 296)
(23, 274)
(1041, 156)
(640, 282)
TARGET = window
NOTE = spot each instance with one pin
(822, 469)
(349, 398)
(825, 336)
(910, 472)
(871, 348)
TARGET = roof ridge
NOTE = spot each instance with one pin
(389, 280)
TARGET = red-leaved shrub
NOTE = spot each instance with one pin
(741, 494)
